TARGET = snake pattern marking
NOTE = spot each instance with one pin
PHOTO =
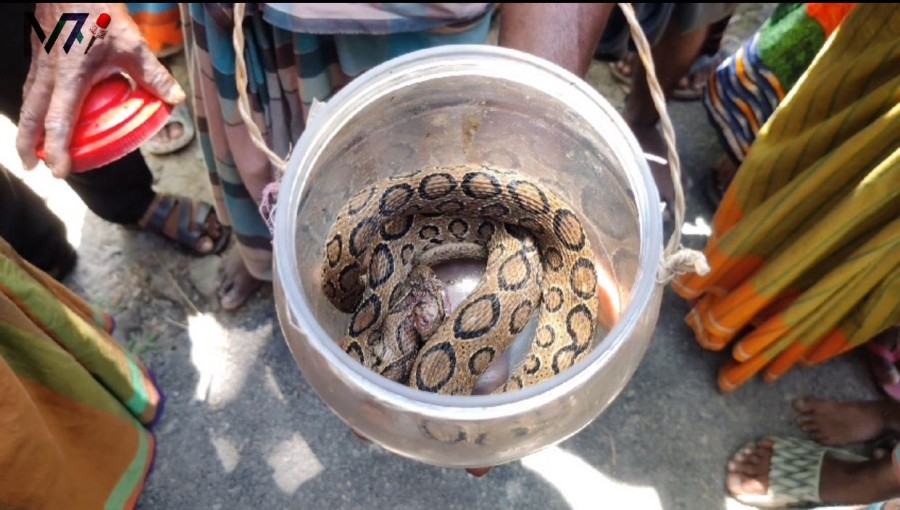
(538, 257)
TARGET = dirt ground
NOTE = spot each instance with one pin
(243, 429)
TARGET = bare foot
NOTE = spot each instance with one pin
(839, 423)
(840, 482)
(169, 132)
(174, 135)
(237, 282)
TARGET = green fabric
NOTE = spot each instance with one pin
(789, 41)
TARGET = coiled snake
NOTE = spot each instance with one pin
(537, 256)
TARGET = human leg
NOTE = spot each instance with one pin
(672, 58)
(32, 229)
(777, 473)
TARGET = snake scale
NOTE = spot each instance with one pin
(538, 257)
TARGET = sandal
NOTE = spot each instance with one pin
(685, 90)
(180, 115)
(617, 68)
(794, 472)
(688, 88)
(192, 219)
(883, 362)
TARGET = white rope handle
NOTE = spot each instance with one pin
(240, 78)
(676, 259)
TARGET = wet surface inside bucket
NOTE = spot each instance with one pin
(461, 277)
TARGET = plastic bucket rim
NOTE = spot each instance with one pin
(327, 123)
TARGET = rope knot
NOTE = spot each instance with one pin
(683, 261)
(269, 201)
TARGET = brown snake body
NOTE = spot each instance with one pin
(538, 254)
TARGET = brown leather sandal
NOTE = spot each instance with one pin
(192, 219)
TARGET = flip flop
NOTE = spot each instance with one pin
(617, 73)
(180, 115)
(703, 62)
(794, 473)
(884, 367)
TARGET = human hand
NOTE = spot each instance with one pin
(58, 82)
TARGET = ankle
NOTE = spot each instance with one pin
(858, 483)
(640, 114)
(638, 121)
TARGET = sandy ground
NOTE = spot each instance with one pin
(243, 429)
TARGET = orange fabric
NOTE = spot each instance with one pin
(48, 463)
(71, 401)
(696, 320)
(828, 15)
(728, 214)
(803, 251)
(760, 339)
(785, 361)
(733, 374)
(830, 346)
(160, 30)
(726, 272)
(734, 311)
(779, 305)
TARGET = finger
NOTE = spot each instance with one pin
(748, 469)
(31, 118)
(62, 116)
(734, 482)
(754, 459)
(32, 75)
(150, 74)
(739, 485)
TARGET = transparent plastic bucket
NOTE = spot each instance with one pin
(470, 104)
